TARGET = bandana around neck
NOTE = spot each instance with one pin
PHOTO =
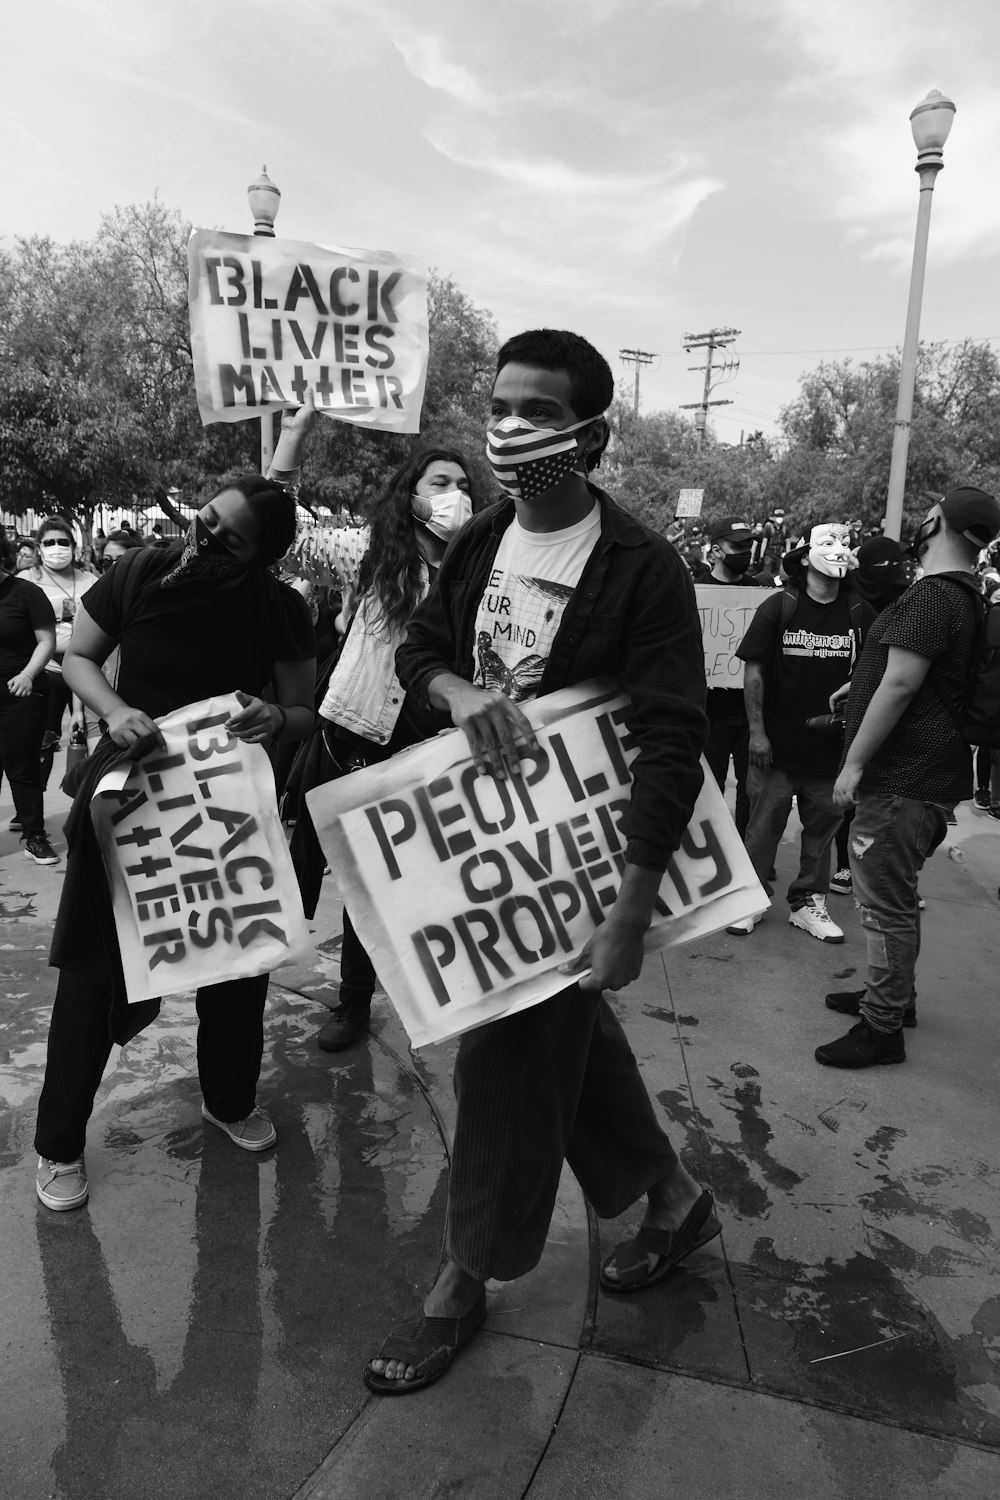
(202, 558)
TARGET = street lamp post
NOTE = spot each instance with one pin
(930, 122)
(264, 199)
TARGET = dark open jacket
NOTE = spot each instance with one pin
(633, 617)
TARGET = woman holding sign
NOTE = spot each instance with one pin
(385, 569)
(192, 622)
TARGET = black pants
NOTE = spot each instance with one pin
(357, 972)
(731, 737)
(22, 724)
(842, 834)
(556, 1081)
(60, 698)
(230, 1048)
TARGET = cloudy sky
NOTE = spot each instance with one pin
(633, 169)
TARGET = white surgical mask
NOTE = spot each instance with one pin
(57, 557)
(450, 509)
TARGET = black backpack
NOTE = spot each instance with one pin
(978, 721)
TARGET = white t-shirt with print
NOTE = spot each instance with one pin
(532, 577)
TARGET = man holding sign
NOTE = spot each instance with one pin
(555, 586)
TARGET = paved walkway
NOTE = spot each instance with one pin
(200, 1328)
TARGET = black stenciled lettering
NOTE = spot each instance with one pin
(373, 334)
(586, 838)
(303, 284)
(269, 386)
(485, 944)
(156, 902)
(565, 835)
(324, 387)
(218, 923)
(140, 837)
(239, 825)
(236, 281)
(597, 898)
(389, 842)
(565, 763)
(246, 348)
(248, 862)
(710, 849)
(208, 774)
(179, 839)
(148, 867)
(307, 350)
(472, 784)
(299, 383)
(216, 745)
(338, 306)
(232, 380)
(611, 816)
(130, 802)
(431, 823)
(463, 840)
(385, 298)
(673, 870)
(536, 866)
(434, 963)
(560, 915)
(276, 339)
(627, 740)
(212, 266)
(613, 745)
(170, 947)
(156, 769)
(502, 880)
(390, 391)
(345, 343)
(202, 885)
(171, 804)
(508, 911)
(261, 924)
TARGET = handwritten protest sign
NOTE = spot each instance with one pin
(725, 618)
(201, 881)
(469, 893)
(689, 503)
(272, 319)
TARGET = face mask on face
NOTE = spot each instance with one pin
(450, 509)
(204, 556)
(829, 552)
(526, 460)
(59, 556)
(737, 562)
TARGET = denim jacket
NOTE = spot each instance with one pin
(364, 694)
(633, 617)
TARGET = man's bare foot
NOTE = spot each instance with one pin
(453, 1295)
(669, 1202)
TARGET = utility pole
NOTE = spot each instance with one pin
(637, 357)
(715, 338)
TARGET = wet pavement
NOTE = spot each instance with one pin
(199, 1329)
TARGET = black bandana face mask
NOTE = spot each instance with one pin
(204, 557)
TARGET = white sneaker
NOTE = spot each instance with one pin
(744, 928)
(816, 920)
(255, 1133)
(61, 1184)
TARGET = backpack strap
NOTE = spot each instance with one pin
(789, 599)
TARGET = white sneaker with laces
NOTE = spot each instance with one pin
(62, 1184)
(814, 918)
(744, 928)
(255, 1133)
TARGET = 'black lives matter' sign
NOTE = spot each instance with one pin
(272, 319)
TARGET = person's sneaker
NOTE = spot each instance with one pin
(814, 918)
(981, 796)
(994, 809)
(40, 850)
(346, 1026)
(841, 882)
(255, 1133)
(62, 1184)
(863, 1047)
(848, 1003)
(16, 826)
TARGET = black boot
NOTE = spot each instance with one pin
(347, 1024)
(848, 1003)
(863, 1047)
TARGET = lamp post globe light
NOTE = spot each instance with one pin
(264, 199)
(930, 122)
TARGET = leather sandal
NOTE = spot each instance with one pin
(428, 1345)
(630, 1260)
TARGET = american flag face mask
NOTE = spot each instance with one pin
(526, 461)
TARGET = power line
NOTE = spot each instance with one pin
(715, 338)
(637, 357)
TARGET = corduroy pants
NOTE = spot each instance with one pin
(555, 1082)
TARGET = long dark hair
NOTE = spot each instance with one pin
(392, 568)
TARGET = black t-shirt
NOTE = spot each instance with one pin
(814, 657)
(924, 756)
(182, 644)
(23, 610)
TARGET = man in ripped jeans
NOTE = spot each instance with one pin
(906, 765)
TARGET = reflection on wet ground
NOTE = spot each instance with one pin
(200, 1328)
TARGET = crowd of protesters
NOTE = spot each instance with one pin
(447, 609)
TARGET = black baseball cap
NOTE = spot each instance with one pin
(731, 529)
(972, 512)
